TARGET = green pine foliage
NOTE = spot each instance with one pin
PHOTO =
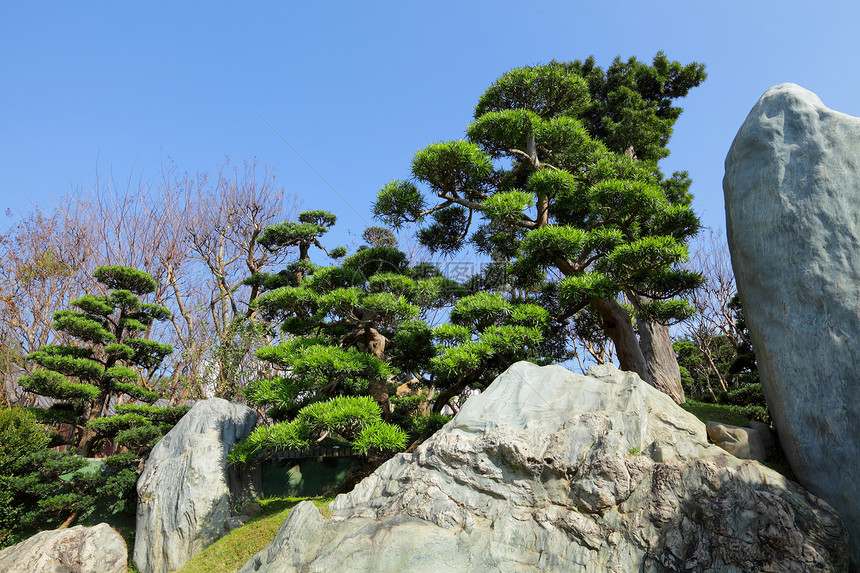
(39, 487)
(486, 334)
(347, 421)
(558, 183)
(107, 352)
(349, 332)
(340, 327)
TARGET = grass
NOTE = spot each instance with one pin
(723, 413)
(234, 549)
(729, 414)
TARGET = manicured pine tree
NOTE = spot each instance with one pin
(339, 322)
(105, 353)
(336, 321)
(558, 182)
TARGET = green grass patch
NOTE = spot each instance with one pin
(724, 413)
(234, 549)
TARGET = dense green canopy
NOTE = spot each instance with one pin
(107, 353)
(558, 180)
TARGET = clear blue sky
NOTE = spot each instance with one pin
(356, 88)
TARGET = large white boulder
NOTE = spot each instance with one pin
(78, 549)
(186, 491)
(553, 471)
(792, 191)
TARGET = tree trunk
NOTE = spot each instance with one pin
(88, 435)
(377, 388)
(619, 327)
(656, 345)
(70, 520)
(448, 393)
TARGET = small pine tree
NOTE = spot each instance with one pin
(107, 351)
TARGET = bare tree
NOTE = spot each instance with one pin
(194, 234)
(714, 322)
(222, 236)
(45, 263)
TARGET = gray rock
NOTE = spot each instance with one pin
(78, 549)
(792, 191)
(553, 471)
(235, 522)
(186, 491)
(766, 434)
(251, 509)
(743, 443)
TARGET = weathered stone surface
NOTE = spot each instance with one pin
(792, 191)
(766, 435)
(186, 490)
(78, 549)
(552, 471)
(251, 509)
(743, 443)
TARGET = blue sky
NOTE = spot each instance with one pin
(356, 88)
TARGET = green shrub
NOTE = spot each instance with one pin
(20, 435)
(747, 395)
(354, 421)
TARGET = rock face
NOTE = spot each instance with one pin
(792, 190)
(553, 471)
(743, 443)
(186, 490)
(78, 549)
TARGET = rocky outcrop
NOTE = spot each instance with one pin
(186, 491)
(743, 443)
(78, 549)
(792, 190)
(552, 471)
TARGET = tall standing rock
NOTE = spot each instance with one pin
(792, 190)
(186, 491)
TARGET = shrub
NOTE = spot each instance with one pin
(747, 395)
(354, 421)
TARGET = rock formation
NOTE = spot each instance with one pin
(743, 443)
(552, 471)
(186, 491)
(78, 549)
(792, 190)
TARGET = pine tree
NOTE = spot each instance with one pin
(339, 322)
(558, 182)
(105, 353)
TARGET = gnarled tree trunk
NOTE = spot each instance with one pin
(88, 437)
(650, 355)
(377, 388)
(619, 327)
(656, 345)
